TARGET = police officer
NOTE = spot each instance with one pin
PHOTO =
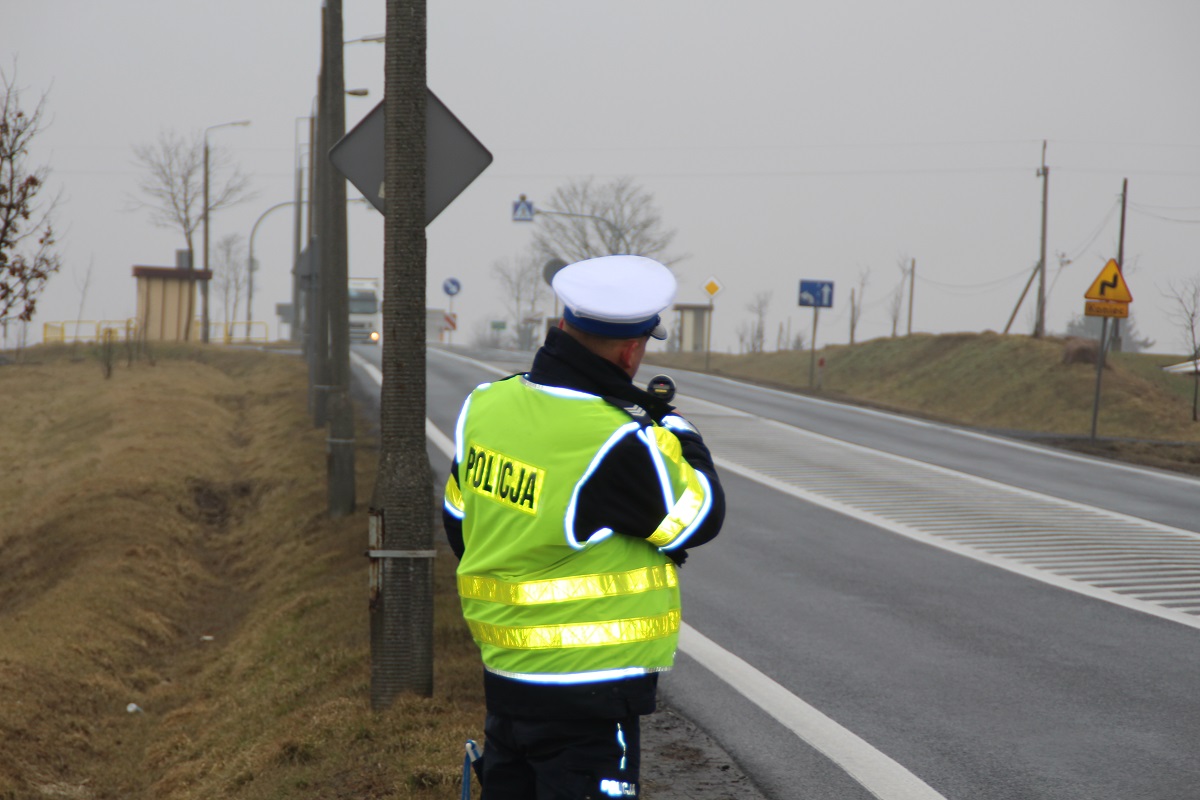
(571, 500)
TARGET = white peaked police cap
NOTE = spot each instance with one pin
(620, 297)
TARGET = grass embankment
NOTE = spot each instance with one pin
(1008, 383)
(144, 514)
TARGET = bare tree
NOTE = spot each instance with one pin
(584, 219)
(523, 290)
(1186, 314)
(172, 188)
(856, 300)
(229, 274)
(757, 327)
(27, 257)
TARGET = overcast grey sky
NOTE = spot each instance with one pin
(781, 141)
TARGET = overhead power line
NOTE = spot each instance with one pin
(1142, 210)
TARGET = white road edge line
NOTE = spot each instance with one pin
(873, 770)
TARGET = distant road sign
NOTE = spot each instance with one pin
(1109, 286)
(451, 286)
(453, 157)
(817, 294)
(551, 268)
(499, 325)
(523, 210)
(712, 287)
(1101, 308)
(450, 320)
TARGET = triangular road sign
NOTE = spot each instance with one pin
(1109, 285)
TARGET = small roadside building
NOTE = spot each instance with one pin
(691, 326)
(167, 303)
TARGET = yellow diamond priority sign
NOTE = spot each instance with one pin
(712, 286)
(1110, 287)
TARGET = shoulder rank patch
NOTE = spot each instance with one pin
(503, 478)
(635, 412)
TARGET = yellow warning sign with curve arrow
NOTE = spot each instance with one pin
(1109, 285)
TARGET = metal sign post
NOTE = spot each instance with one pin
(816, 295)
(1107, 298)
(712, 288)
(451, 287)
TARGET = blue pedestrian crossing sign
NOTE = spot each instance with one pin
(817, 294)
(523, 210)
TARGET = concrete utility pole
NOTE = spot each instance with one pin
(319, 209)
(401, 519)
(334, 283)
(1116, 330)
(297, 233)
(1039, 327)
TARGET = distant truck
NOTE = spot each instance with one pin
(365, 324)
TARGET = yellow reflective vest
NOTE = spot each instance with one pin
(544, 601)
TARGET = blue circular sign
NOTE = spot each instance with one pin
(451, 286)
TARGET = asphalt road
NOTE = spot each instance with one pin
(896, 669)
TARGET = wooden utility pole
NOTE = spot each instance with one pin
(1116, 330)
(912, 283)
(1039, 327)
(853, 316)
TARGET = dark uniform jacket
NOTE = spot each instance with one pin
(624, 495)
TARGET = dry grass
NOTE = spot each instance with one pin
(991, 381)
(172, 503)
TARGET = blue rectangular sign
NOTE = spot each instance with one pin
(818, 294)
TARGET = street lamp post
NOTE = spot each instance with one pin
(250, 264)
(204, 295)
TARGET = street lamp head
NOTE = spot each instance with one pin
(240, 122)
(358, 92)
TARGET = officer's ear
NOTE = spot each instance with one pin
(629, 356)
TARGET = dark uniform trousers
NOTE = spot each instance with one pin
(576, 759)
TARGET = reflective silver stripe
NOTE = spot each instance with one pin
(576, 677)
(569, 518)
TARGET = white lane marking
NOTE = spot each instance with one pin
(440, 440)
(874, 771)
(991, 439)
(371, 369)
(431, 431)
